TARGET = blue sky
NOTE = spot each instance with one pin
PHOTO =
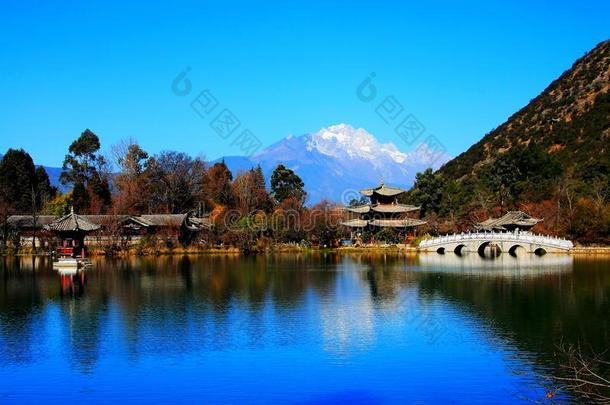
(281, 67)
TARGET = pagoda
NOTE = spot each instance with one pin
(383, 211)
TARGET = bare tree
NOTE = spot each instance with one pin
(586, 376)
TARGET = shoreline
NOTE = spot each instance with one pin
(390, 249)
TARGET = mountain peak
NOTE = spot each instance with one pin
(343, 140)
(340, 159)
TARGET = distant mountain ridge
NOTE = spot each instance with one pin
(337, 161)
(334, 162)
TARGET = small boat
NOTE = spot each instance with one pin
(67, 263)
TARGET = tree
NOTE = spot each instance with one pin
(173, 181)
(250, 193)
(132, 195)
(428, 191)
(324, 223)
(262, 201)
(18, 180)
(24, 188)
(17, 186)
(82, 169)
(221, 189)
(287, 184)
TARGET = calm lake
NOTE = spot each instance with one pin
(311, 328)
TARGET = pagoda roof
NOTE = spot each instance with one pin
(72, 222)
(397, 223)
(384, 208)
(356, 223)
(383, 190)
(516, 218)
(391, 223)
(359, 209)
(396, 208)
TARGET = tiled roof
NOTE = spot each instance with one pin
(27, 221)
(382, 190)
(515, 218)
(360, 209)
(174, 220)
(72, 222)
(355, 223)
(93, 222)
(393, 223)
(397, 223)
(394, 208)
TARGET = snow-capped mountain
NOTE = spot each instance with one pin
(337, 161)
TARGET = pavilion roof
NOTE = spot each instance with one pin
(355, 223)
(359, 209)
(392, 223)
(396, 208)
(72, 222)
(383, 190)
(516, 218)
(397, 223)
(384, 208)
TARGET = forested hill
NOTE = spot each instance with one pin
(551, 158)
(569, 121)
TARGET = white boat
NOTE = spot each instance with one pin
(67, 266)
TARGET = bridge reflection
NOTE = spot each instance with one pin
(502, 265)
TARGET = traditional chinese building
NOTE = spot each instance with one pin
(105, 229)
(383, 211)
(72, 229)
(509, 222)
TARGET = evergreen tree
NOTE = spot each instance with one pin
(287, 184)
(428, 191)
(221, 189)
(18, 180)
(261, 196)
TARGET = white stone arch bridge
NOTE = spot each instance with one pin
(486, 243)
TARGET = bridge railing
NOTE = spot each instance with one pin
(525, 237)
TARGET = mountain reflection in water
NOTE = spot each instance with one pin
(291, 328)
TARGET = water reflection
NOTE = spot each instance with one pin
(504, 265)
(72, 282)
(379, 316)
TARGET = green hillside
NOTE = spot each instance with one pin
(551, 158)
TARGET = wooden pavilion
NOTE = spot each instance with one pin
(383, 211)
(72, 229)
(509, 222)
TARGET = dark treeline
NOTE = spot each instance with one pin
(241, 208)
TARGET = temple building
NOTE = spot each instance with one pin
(509, 222)
(383, 211)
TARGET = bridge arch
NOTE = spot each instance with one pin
(441, 250)
(489, 249)
(540, 251)
(460, 249)
(516, 250)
